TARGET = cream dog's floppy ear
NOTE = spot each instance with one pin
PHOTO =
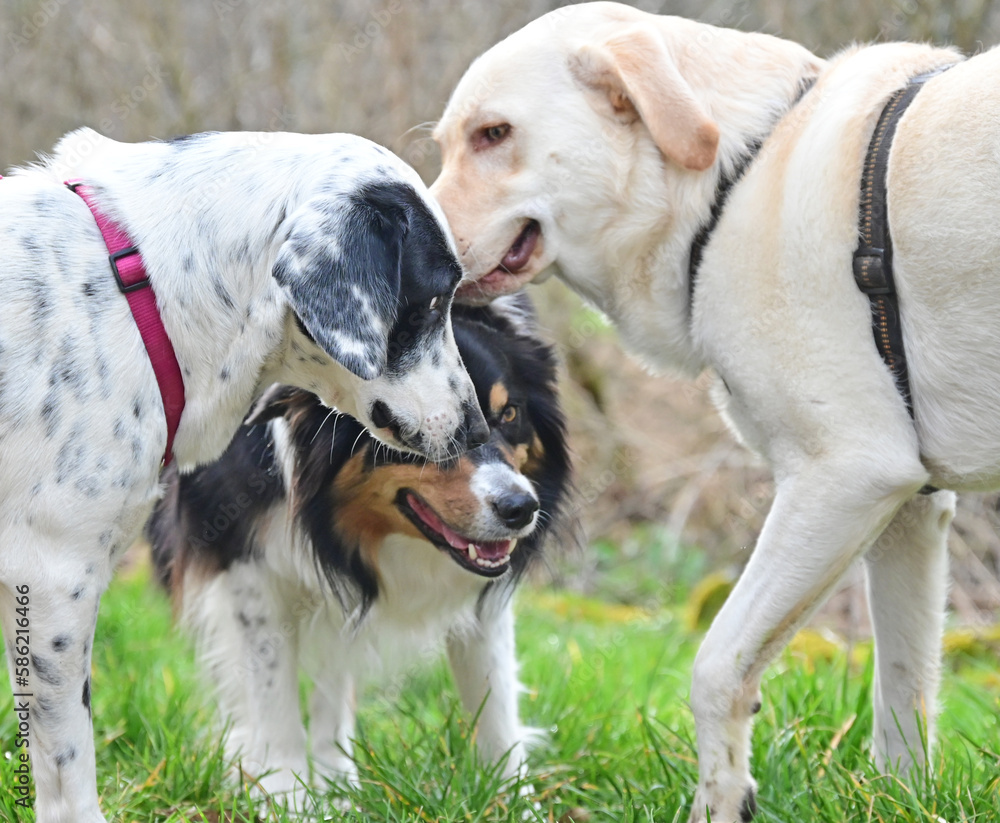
(640, 78)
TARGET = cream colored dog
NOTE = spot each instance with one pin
(590, 144)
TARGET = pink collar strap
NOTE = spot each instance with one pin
(130, 274)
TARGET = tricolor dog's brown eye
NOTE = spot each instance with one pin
(489, 136)
(509, 414)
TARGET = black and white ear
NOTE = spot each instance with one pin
(340, 269)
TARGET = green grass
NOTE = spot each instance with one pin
(607, 682)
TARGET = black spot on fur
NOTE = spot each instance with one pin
(77, 593)
(41, 311)
(71, 455)
(89, 290)
(749, 807)
(103, 375)
(50, 414)
(224, 374)
(46, 672)
(88, 486)
(182, 141)
(66, 368)
(755, 707)
(65, 757)
(220, 291)
(188, 263)
(30, 246)
(86, 694)
(119, 430)
(242, 253)
(60, 643)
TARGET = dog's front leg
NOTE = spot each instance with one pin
(331, 718)
(484, 664)
(247, 639)
(907, 590)
(823, 517)
(48, 615)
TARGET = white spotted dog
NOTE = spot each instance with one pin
(310, 544)
(318, 261)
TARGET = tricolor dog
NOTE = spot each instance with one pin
(309, 544)
(703, 187)
(317, 260)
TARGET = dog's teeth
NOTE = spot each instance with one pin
(472, 551)
(485, 563)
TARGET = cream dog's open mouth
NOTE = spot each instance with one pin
(509, 275)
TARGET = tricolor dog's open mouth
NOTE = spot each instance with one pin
(504, 278)
(489, 558)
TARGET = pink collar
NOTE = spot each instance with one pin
(130, 274)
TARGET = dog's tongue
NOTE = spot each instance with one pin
(490, 549)
(494, 549)
(518, 255)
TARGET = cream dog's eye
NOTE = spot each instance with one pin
(491, 135)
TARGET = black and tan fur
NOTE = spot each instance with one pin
(310, 543)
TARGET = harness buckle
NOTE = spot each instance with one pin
(123, 287)
(869, 271)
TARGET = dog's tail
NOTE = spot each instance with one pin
(164, 532)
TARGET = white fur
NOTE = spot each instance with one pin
(257, 622)
(776, 313)
(82, 431)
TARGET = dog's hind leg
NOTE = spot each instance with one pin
(823, 517)
(247, 638)
(907, 589)
(484, 664)
(48, 612)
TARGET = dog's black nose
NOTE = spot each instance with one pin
(474, 427)
(516, 508)
(382, 418)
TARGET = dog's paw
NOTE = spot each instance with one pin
(734, 806)
(282, 789)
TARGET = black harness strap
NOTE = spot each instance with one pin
(873, 257)
(722, 190)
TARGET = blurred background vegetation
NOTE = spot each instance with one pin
(666, 498)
